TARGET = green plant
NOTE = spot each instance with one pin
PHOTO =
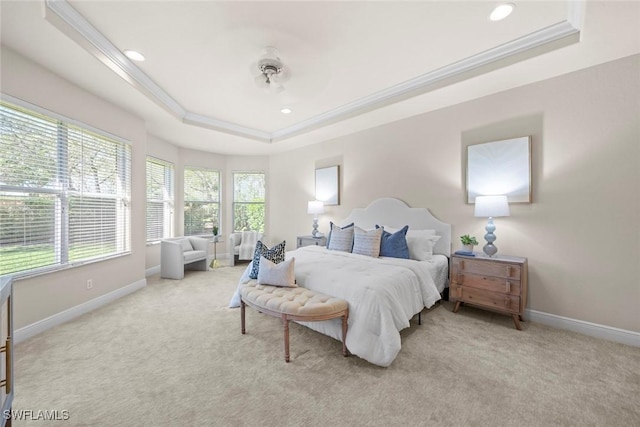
(215, 230)
(468, 240)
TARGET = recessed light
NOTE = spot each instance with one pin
(502, 11)
(135, 55)
(286, 110)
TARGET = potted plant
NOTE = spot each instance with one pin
(215, 233)
(468, 242)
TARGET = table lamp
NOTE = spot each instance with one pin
(491, 206)
(315, 207)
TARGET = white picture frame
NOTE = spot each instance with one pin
(500, 168)
(328, 185)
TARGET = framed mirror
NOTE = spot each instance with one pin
(500, 168)
(327, 185)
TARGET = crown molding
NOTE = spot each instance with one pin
(60, 12)
(81, 31)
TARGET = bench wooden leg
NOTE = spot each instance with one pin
(285, 324)
(345, 325)
(242, 305)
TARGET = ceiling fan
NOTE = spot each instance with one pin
(272, 72)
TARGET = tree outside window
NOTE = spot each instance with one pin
(201, 200)
(64, 191)
(248, 201)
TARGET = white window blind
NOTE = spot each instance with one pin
(201, 200)
(248, 201)
(64, 192)
(159, 199)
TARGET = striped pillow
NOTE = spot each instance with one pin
(341, 238)
(367, 242)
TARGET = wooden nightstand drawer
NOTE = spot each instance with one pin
(496, 300)
(484, 268)
(490, 283)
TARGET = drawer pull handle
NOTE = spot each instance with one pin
(508, 287)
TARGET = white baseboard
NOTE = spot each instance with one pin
(622, 336)
(33, 329)
(151, 271)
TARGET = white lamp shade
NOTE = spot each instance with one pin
(315, 207)
(492, 206)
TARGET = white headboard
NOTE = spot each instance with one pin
(395, 213)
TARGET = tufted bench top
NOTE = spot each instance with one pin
(298, 302)
(293, 304)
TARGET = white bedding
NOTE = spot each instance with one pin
(383, 295)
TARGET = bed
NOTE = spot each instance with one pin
(383, 293)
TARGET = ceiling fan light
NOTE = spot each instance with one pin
(502, 11)
(275, 87)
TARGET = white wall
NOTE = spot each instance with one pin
(225, 164)
(46, 295)
(41, 297)
(581, 234)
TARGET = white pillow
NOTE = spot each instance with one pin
(341, 238)
(421, 243)
(367, 242)
(281, 274)
(186, 245)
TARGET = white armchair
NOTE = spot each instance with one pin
(236, 242)
(180, 253)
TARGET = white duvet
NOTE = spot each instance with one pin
(383, 295)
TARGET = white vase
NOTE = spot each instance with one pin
(467, 248)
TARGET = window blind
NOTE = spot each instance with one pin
(64, 192)
(201, 200)
(159, 199)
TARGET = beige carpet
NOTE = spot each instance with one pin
(172, 355)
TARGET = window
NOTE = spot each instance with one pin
(159, 199)
(64, 192)
(248, 201)
(201, 200)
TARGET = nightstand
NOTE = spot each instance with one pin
(310, 241)
(498, 283)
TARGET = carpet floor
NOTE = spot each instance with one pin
(172, 354)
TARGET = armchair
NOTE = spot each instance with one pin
(242, 244)
(180, 253)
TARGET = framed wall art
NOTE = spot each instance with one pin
(500, 168)
(328, 185)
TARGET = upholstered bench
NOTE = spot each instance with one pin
(298, 304)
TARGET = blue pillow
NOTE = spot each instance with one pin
(275, 255)
(394, 245)
(331, 224)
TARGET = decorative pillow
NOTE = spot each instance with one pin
(341, 238)
(421, 243)
(331, 225)
(394, 245)
(367, 242)
(186, 245)
(275, 254)
(277, 274)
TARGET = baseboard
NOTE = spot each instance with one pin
(33, 329)
(622, 336)
(151, 271)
